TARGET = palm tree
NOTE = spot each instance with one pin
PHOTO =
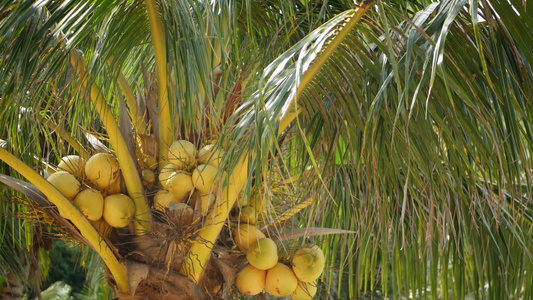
(404, 125)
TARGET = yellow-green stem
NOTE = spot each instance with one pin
(319, 62)
(132, 179)
(166, 134)
(68, 210)
(201, 248)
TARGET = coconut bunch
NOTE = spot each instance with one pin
(187, 187)
(95, 189)
(295, 277)
(189, 175)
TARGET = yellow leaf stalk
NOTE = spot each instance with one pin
(319, 62)
(166, 135)
(117, 269)
(200, 250)
(132, 179)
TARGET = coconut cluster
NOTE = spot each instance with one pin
(95, 189)
(265, 272)
(189, 175)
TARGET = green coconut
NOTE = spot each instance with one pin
(148, 176)
(308, 263)
(263, 254)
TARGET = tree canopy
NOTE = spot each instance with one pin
(407, 123)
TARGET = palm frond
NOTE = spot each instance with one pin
(419, 133)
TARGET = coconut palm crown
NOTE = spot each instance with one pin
(393, 135)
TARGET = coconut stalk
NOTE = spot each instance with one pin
(158, 39)
(201, 248)
(143, 216)
(69, 211)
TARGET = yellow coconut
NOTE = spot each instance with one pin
(73, 164)
(209, 155)
(263, 254)
(102, 227)
(248, 214)
(304, 291)
(102, 170)
(204, 153)
(250, 280)
(66, 183)
(91, 203)
(182, 154)
(203, 177)
(180, 184)
(245, 235)
(165, 174)
(260, 203)
(118, 210)
(148, 176)
(163, 198)
(280, 281)
(308, 263)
